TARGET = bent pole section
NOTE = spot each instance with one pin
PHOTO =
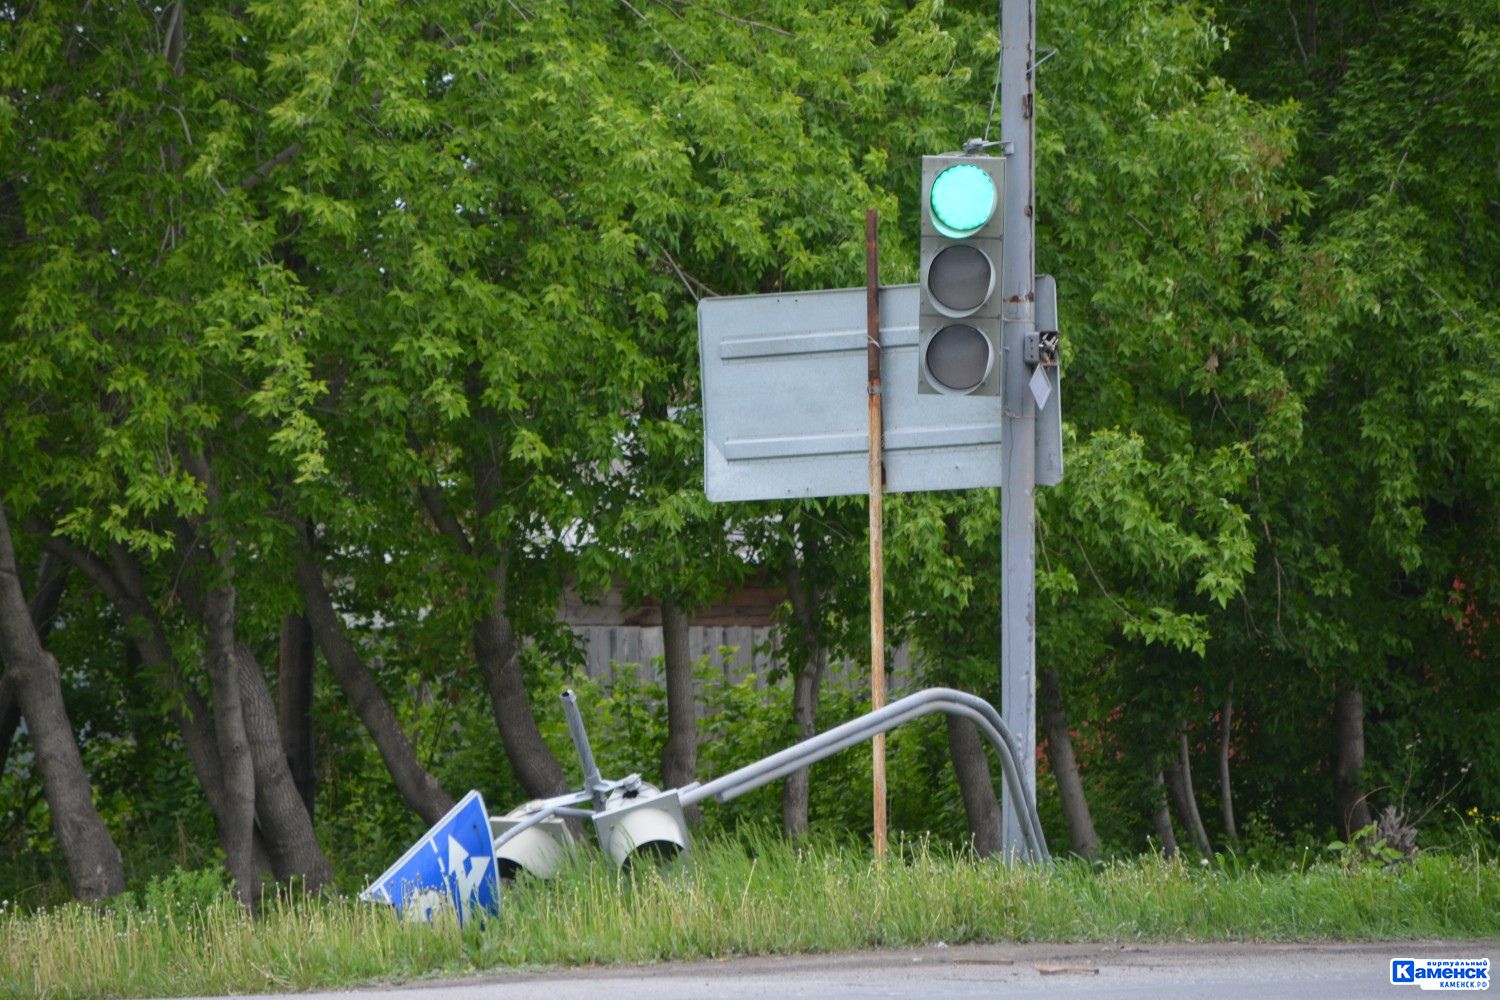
(944, 700)
(592, 782)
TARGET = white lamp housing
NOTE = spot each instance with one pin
(539, 850)
(641, 819)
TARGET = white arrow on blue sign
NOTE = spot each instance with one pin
(452, 866)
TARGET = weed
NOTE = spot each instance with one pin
(749, 894)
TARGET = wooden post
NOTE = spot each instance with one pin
(877, 519)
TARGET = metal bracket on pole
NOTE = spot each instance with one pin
(974, 146)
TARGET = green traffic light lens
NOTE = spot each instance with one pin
(962, 200)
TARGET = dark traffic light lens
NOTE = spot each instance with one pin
(960, 279)
(958, 357)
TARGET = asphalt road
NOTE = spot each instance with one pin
(1099, 972)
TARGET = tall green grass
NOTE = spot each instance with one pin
(734, 897)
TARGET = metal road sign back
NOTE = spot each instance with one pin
(784, 401)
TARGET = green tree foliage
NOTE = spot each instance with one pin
(1379, 557)
(421, 281)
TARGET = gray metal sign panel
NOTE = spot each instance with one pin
(785, 404)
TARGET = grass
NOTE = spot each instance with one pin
(733, 898)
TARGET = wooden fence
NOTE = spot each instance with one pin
(736, 650)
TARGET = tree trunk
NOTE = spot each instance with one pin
(1349, 736)
(42, 610)
(797, 788)
(122, 583)
(251, 759)
(497, 648)
(415, 783)
(236, 766)
(294, 690)
(1180, 783)
(679, 758)
(805, 601)
(975, 785)
(284, 820)
(1161, 819)
(1075, 804)
(498, 652)
(1226, 798)
(10, 715)
(93, 860)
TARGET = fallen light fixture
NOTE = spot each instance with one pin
(539, 849)
(633, 818)
(642, 821)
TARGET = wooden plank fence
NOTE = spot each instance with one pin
(737, 651)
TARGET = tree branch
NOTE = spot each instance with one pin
(662, 38)
(441, 516)
(82, 560)
(263, 171)
(1100, 583)
(746, 21)
(172, 45)
(692, 284)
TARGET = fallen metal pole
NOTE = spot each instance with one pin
(592, 781)
(945, 700)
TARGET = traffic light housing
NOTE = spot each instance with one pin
(642, 821)
(959, 320)
(541, 850)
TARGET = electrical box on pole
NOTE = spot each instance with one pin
(959, 336)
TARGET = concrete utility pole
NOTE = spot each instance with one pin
(1018, 426)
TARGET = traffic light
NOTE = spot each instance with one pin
(958, 351)
(642, 821)
(540, 849)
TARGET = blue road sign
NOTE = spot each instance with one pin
(452, 866)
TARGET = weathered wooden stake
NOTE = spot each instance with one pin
(877, 519)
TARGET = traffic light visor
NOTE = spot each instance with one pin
(962, 200)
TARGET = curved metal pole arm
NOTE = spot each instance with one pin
(945, 700)
(559, 806)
